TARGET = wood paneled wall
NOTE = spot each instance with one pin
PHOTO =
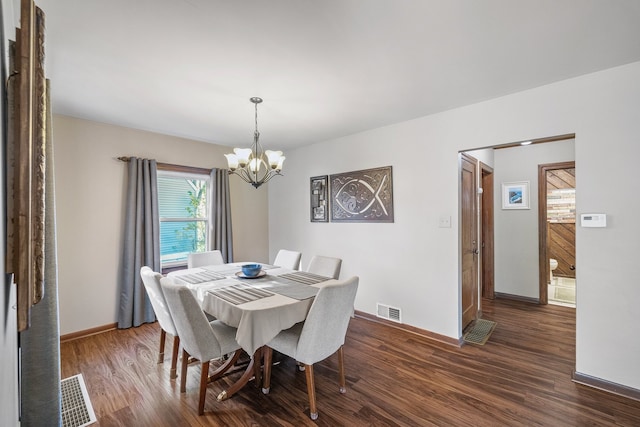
(562, 247)
(561, 235)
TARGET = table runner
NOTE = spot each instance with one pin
(304, 277)
(201, 277)
(284, 285)
(228, 272)
(240, 293)
(295, 291)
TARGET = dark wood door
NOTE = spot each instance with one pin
(469, 243)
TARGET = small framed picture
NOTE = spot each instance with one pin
(319, 201)
(515, 195)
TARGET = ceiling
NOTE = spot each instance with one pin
(325, 68)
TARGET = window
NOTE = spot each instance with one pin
(184, 216)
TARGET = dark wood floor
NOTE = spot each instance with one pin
(522, 376)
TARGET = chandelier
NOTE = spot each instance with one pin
(255, 165)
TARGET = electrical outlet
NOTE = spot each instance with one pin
(445, 221)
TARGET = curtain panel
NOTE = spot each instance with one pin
(220, 235)
(40, 344)
(141, 242)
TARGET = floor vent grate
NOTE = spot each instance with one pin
(388, 312)
(76, 406)
(479, 332)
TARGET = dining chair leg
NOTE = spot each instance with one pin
(311, 391)
(183, 371)
(343, 382)
(257, 366)
(204, 380)
(163, 336)
(266, 375)
(225, 366)
(174, 357)
(246, 376)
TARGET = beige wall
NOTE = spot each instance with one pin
(90, 188)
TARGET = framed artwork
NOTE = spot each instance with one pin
(515, 195)
(362, 196)
(319, 201)
(27, 138)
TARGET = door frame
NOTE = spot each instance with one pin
(487, 272)
(543, 262)
(475, 292)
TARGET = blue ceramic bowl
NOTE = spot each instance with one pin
(251, 270)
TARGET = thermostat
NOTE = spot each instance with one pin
(593, 220)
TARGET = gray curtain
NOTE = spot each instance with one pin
(141, 242)
(220, 235)
(40, 343)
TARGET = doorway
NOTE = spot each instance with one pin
(469, 239)
(489, 222)
(476, 205)
(486, 232)
(557, 227)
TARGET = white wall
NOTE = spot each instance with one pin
(413, 264)
(516, 230)
(90, 190)
(396, 263)
(484, 155)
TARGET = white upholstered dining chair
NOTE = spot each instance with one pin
(288, 259)
(151, 281)
(201, 339)
(325, 266)
(199, 259)
(318, 337)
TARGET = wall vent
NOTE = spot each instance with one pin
(387, 312)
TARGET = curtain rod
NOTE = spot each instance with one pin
(172, 167)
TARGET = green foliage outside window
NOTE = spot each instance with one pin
(197, 209)
(195, 231)
(183, 217)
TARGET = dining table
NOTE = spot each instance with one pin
(258, 307)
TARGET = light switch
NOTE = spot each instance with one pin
(445, 221)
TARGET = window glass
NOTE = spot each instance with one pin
(184, 216)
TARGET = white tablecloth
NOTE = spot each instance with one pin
(258, 321)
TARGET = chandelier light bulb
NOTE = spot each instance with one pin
(274, 158)
(232, 160)
(243, 155)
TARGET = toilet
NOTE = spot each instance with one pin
(553, 264)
